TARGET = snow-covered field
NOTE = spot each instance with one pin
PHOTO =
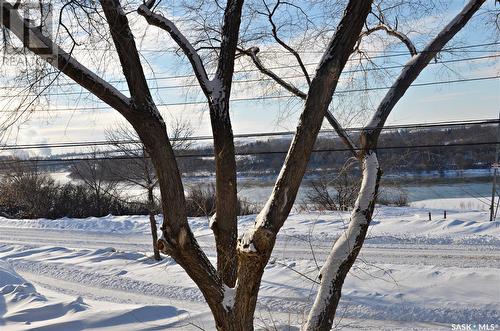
(97, 274)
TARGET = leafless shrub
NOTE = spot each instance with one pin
(25, 192)
(395, 197)
(201, 202)
(337, 194)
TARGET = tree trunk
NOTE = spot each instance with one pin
(256, 245)
(225, 226)
(152, 221)
(346, 249)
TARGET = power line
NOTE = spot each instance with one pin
(279, 51)
(296, 66)
(276, 97)
(244, 81)
(247, 153)
(248, 135)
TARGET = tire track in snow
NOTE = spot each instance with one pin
(120, 289)
(104, 281)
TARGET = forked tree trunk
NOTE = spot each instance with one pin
(217, 91)
(346, 249)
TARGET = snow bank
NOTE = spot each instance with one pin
(120, 224)
(106, 224)
(23, 308)
(8, 276)
(20, 303)
(389, 225)
(477, 204)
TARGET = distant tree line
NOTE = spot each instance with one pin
(398, 160)
(264, 157)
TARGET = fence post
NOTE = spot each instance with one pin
(445, 214)
(430, 217)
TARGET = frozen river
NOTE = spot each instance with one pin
(257, 190)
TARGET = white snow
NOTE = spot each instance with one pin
(229, 296)
(74, 274)
(212, 221)
(479, 204)
(346, 243)
(120, 224)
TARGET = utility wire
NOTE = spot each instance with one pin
(244, 81)
(319, 51)
(307, 64)
(447, 124)
(277, 97)
(246, 153)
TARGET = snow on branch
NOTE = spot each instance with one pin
(392, 32)
(345, 250)
(194, 58)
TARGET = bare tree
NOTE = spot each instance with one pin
(347, 247)
(232, 288)
(95, 173)
(137, 169)
(25, 191)
(346, 186)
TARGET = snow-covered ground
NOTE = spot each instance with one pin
(479, 203)
(97, 274)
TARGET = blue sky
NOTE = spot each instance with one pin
(458, 101)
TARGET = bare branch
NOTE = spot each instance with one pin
(392, 32)
(228, 45)
(188, 49)
(342, 133)
(252, 52)
(411, 71)
(127, 52)
(274, 32)
(58, 58)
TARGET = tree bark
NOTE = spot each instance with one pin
(255, 246)
(346, 249)
(152, 222)
(225, 226)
